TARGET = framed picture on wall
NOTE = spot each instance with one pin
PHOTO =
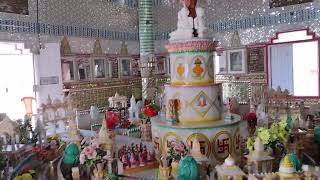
(125, 66)
(236, 61)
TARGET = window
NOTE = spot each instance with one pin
(295, 66)
(84, 70)
(125, 67)
(67, 71)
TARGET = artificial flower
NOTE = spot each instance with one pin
(264, 135)
(149, 111)
(95, 144)
(125, 124)
(90, 152)
(250, 144)
(250, 116)
(112, 119)
(178, 146)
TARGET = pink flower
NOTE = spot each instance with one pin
(178, 146)
(90, 152)
(95, 144)
(82, 158)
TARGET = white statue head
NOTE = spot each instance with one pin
(185, 11)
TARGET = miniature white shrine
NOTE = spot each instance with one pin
(118, 101)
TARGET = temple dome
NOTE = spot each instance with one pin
(290, 164)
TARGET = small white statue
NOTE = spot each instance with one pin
(110, 102)
(196, 149)
(184, 26)
(133, 110)
(262, 117)
(199, 23)
(94, 113)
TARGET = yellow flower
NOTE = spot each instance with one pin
(264, 135)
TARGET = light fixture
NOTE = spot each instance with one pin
(28, 105)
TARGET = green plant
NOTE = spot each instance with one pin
(25, 129)
(278, 133)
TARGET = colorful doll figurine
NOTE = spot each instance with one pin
(132, 160)
(144, 153)
(141, 161)
(124, 160)
(228, 115)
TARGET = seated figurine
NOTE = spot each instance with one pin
(199, 23)
(184, 26)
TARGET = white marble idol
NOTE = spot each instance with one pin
(199, 24)
(184, 26)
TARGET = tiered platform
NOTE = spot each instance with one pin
(217, 138)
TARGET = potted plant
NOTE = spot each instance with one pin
(274, 137)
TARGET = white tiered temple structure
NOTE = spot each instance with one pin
(193, 100)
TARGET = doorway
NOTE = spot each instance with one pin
(16, 78)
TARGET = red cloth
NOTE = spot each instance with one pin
(112, 119)
(191, 5)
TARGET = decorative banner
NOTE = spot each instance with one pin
(14, 6)
(222, 145)
(281, 3)
(205, 147)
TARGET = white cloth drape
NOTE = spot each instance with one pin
(281, 63)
